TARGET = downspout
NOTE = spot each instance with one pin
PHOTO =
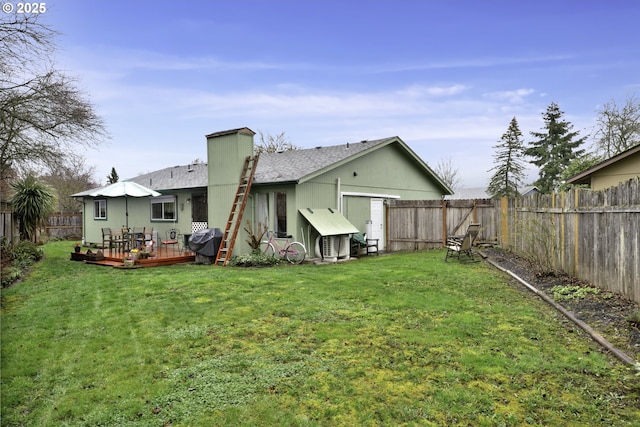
(84, 221)
(338, 195)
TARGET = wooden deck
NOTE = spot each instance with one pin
(116, 258)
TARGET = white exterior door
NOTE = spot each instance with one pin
(377, 222)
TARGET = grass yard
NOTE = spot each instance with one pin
(404, 339)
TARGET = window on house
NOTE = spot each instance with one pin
(163, 208)
(100, 209)
(281, 214)
(262, 211)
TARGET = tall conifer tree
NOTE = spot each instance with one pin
(509, 169)
(554, 148)
(113, 177)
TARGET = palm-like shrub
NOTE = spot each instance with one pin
(32, 202)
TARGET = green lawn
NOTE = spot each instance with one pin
(404, 339)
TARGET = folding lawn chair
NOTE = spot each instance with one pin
(462, 245)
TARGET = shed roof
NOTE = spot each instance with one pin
(328, 222)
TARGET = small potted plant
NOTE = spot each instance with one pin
(129, 261)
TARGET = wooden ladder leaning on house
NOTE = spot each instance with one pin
(237, 210)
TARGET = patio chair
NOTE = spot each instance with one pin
(138, 236)
(142, 235)
(172, 238)
(147, 236)
(458, 246)
(117, 239)
(359, 241)
(106, 238)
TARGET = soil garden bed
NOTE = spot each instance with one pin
(611, 315)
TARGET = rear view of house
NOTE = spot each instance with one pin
(353, 180)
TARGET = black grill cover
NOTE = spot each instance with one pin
(206, 242)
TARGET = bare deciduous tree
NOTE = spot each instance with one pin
(272, 144)
(618, 129)
(44, 117)
(73, 177)
(447, 173)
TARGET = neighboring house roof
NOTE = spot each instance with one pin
(468, 193)
(481, 193)
(585, 176)
(528, 190)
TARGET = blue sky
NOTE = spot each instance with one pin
(445, 76)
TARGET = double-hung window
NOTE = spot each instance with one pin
(100, 209)
(163, 208)
(281, 214)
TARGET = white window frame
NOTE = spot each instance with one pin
(164, 200)
(100, 208)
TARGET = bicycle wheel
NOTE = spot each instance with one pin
(270, 250)
(295, 253)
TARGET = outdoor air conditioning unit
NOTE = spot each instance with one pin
(334, 247)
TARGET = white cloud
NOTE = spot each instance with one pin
(510, 96)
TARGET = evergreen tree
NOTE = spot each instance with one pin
(509, 169)
(113, 177)
(554, 148)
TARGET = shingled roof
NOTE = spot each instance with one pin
(175, 177)
(295, 165)
(286, 166)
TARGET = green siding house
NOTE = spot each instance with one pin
(352, 180)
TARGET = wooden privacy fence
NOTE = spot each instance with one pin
(592, 235)
(425, 224)
(59, 225)
(65, 225)
(8, 226)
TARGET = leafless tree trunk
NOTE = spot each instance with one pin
(44, 117)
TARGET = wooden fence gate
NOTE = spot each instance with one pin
(425, 224)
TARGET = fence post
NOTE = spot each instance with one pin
(576, 231)
(504, 222)
(444, 223)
